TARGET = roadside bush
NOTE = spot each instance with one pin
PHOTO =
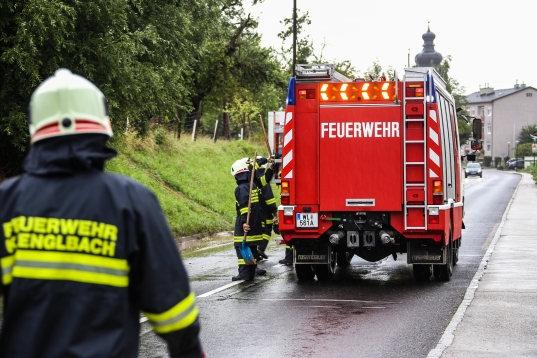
(497, 161)
(487, 160)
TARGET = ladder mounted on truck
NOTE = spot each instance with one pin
(414, 164)
(319, 72)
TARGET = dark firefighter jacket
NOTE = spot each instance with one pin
(268, 196)
(257, 216)
(82, 252)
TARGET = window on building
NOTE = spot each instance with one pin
(489, 129)
(473, 112)
(481, 111)
(489, 111)
(488, 147)
(529, 94)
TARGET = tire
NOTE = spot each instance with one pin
(326, 272)
(422, 273)
(466, 175)
(444, 272)
(481, 175)
(304, 272)
(344, 258)
(455, 256)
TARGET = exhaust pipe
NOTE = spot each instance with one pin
(386, 238)
(334, 238)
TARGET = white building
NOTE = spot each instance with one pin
(504, 112)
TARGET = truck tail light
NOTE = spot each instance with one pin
(438, 192)
(284, 191)
(288, 214)
(306, 94)
(414, 90)
(433, 216)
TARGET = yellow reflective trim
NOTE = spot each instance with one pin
(70, 275)
(263, 181)
(271, 201)
(266, 237)
(6, 263)
(48, 265)
(73, 258)
(178, 317)
(270, 221)
(241, 262)
(244, 211)
(248, 238)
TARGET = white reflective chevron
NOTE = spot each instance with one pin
(432, 174)
(288, 158)
(289, 175)
(288, 138)
(433, 135)
(432, 114)
(288, 117)
(434, 157)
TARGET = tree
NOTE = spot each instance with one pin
(139, 53)
(304, 46)
(458, 93)
(526, 132)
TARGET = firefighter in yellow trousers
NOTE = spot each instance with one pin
(82, 251)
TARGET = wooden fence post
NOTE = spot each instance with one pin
(215, 131)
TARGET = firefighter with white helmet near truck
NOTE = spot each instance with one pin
(251, 231)
(82, 252)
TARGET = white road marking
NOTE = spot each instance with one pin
(325, 300)
(225, 287)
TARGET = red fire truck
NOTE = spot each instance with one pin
(370, 168)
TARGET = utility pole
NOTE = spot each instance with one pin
(294, 39)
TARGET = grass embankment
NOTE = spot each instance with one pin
(192, 180)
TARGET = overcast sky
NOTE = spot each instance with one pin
(490, 42)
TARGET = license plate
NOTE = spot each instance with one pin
(307, 220)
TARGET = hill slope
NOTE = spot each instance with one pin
(192, 180)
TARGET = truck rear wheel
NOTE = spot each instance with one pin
(444, 272)
(325, 272)
(304, 272)
(422, 273)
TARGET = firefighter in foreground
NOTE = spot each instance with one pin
(82, 252)
(241, 170)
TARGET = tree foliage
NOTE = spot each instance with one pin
(458, 93)
(149, 57)
(526, 133)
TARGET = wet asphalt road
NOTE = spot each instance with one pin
(368, 310)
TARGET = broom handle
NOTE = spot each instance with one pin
(265, 135)
(250, 195)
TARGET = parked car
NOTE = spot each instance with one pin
(473, 169)
(508, 164)
(519, 164)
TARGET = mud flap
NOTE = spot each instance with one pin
(425, 254)
(312, 256)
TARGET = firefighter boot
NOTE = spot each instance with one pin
(260, 272)
(288, 260)
(244, 273)
(262, 254)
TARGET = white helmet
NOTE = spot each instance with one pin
(238, 167)
(67, 104)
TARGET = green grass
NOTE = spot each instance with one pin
(533, 171)
(192, 180)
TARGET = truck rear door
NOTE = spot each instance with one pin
(361, 157)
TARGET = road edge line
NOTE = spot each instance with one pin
(447, 338)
